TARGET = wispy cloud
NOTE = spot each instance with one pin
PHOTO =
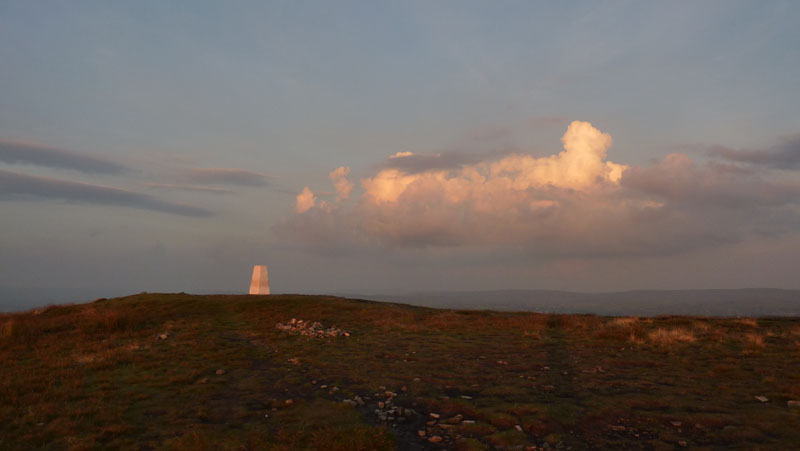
(16, 186)
(16, 152)
(227, 176)
(180, 187)
(785, 155)
(412, 163)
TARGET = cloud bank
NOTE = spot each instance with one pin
(15, 186)
(15, 152)
(575, 202)
(226, 176)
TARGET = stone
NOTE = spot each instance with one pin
(468, 422)
(683, 443)
(435, 416)
(435, 439)
(163, 336)
(456, 419)
(220, 372)
(259, 284)
(616, 428)
(676, 423)
(288, 402)
(518, 427)
(349, 402)
(466, 397)
(762, 399)
(421, 433)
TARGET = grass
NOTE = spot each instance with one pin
(97, 375)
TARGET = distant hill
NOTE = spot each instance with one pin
(739, 302)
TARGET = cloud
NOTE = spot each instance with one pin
(15, 186)
(412, 163)
(343, 186)
(305, 201)
(227, 176)
(180, 187)
(678, 180)
(574, 203)
(15, 152)
(785, 155)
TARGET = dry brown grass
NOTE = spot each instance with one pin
(747, 322)
(6, 328)
(664, 338)
(94, 376)
(626, 321)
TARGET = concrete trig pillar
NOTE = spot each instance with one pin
(260, 282)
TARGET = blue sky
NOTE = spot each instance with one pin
(290, 91)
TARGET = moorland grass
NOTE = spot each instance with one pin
(97, 375)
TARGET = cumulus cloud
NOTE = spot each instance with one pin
(16, 186)
(343, 186)
(305, 200)
(16, 152)
(572, 203)
(227, 176)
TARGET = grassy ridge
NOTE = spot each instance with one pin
(97, 376)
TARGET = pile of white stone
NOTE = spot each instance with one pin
(311, 329)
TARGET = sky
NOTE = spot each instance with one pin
(397, 146)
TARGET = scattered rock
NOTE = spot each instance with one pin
(220, 372)
(163, 336)
(762, 398)
(311, 329)
(456, 419)
(381, 404)
(421, 432)
(435, 416)
(435, 439)
(502, 362)
(518, 427)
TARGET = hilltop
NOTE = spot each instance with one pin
(179, 371)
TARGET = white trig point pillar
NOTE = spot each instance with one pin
(260, 282)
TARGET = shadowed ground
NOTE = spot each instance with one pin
(100, 375)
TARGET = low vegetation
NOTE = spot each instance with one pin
(177, 371)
